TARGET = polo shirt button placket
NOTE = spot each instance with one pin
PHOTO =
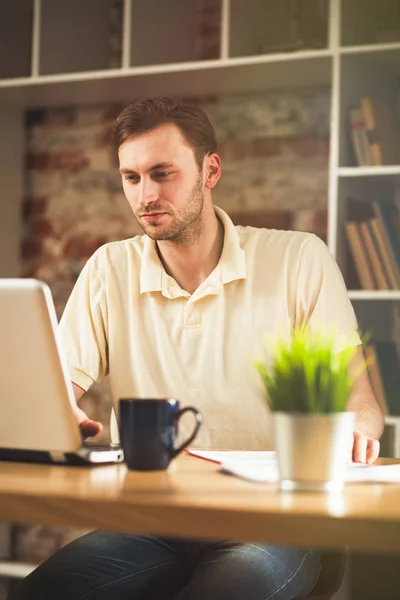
(191, 317)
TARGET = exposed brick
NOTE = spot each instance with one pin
(42, 227)
(112, 111)
(30, 270)
(233, 149)
(38, 205)
(65, 160)
(33, 207)
(324, 145)
(37, 161)
(313, 220)
(114, 160)
(63, 116)
(202, 100)
(266, 147)
(304, 147)
(82, 247)
(271, 219)
(321, 220)
(106, 137)
(69, 160)
(31, 248)
(35, 116)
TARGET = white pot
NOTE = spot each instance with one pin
(313, 451)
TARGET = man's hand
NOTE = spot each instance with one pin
(369, 419)
(88, 427)
(365, 449)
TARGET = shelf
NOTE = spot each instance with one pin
(374, 74)
(222, 76)
(384, 57)
(393, 295)
(17, 570)
(152, 20)
(370, 48)
(15, 38)
(384, 171)
(371, 22)
(259, 27)
(75, 36)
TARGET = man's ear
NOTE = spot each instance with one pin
(213, 171)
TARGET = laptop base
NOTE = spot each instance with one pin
(84, 456)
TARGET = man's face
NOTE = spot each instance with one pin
(163, 184)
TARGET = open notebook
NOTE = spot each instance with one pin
(261, 466)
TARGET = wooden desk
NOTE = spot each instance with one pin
(193, 499)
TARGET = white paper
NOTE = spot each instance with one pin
(261, 466)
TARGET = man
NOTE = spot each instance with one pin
(179, 312)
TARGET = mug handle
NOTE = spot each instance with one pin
(199, 420)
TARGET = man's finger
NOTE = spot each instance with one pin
(360, 448)
(372, 451)
(90, 428)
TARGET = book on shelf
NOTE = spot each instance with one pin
(377, 230)
(374, 243)
(382, 130)
(383, 367)
(359, 138)
(360, 256)
(387, 214)
(375, 259)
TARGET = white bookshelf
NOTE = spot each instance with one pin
(365, 67)
(56, 53)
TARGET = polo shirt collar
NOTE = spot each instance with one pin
(232, 264)
(233, 258)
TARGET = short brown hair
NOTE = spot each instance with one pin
(148, 113)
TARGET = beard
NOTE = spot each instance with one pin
(187, 226)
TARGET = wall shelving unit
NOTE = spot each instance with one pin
(57, 53)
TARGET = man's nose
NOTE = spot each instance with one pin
(148, 192)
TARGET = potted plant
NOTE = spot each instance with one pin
(307, 385)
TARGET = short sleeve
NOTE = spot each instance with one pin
(322, 299)
(82, 331)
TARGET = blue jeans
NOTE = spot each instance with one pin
(114, 566)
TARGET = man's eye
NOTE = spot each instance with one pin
(132, 179)
(162, 174)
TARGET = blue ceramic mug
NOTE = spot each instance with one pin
(149, 429)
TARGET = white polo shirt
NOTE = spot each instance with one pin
(128, 318)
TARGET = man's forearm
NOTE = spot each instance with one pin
(369, 418)
(78, 391)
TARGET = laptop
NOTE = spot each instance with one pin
(37, 420)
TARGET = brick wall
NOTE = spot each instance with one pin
(274, 152)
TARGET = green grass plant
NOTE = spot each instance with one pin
(307, 374)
